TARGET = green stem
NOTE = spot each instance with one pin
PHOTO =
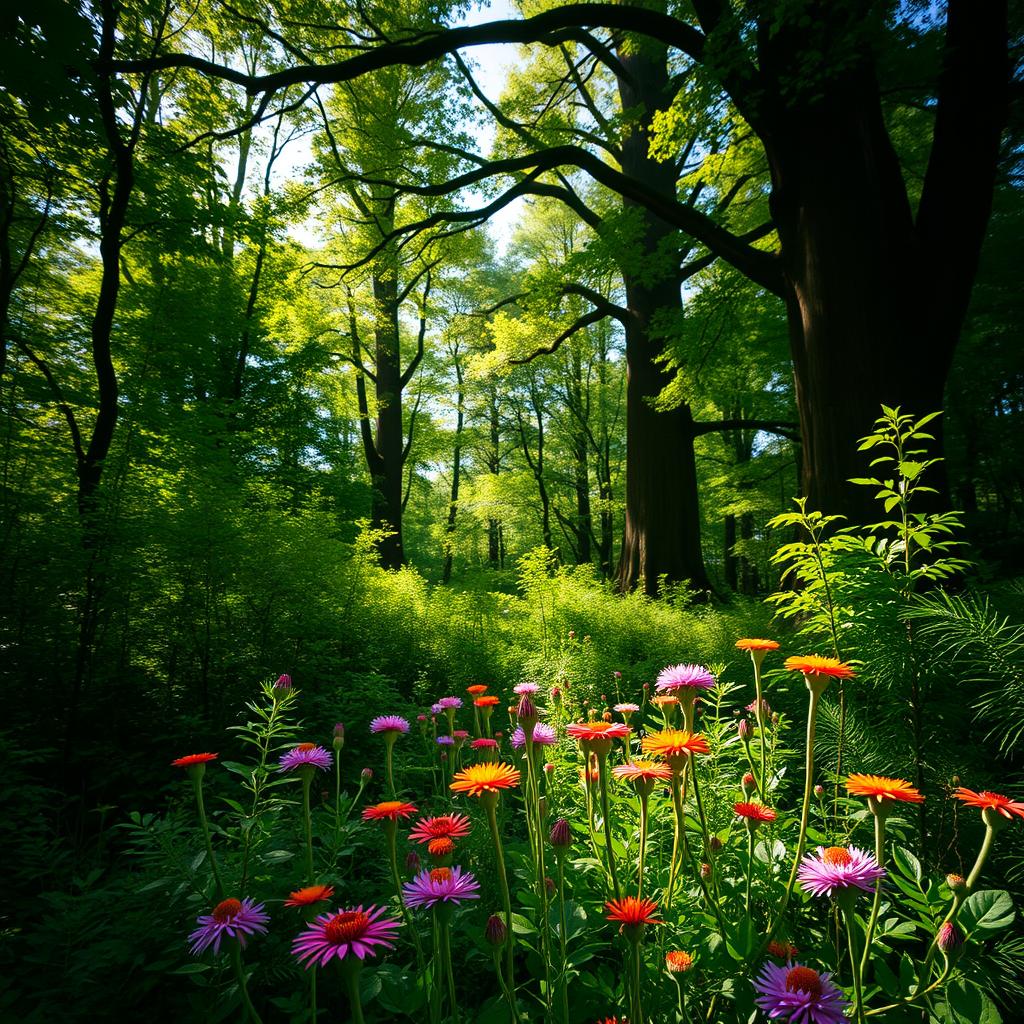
(355, 999)
(538, 850)
(201, 808)
(750, 865)
(643, 844)
(910, 1000)
(337, 797)
(858, 995)
(446, 953)
(389, 746)
(390, 829)
(876, 902)
(762, 786)
(506, 899)
(602, 766)
(562, 928)
(236, 960)
(307, 780)
(635, 1013)
(673, 866)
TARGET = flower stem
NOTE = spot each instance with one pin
(506, 899)
(602, 765)
(762, 785)
(750, 865)
(389, 747)
(636, 1013)
(407, 920)
(643, 844)
(858, 995)
(562, 928)
(876, 903)
(307, 780)
(673, 866)
(350, 972)
(201, 808)
(247, 1007)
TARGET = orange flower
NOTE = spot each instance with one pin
(881, 788)
(486, 777)
(476, 689)
(783, 950)
(190, 759)
(665, 700)
(489, 701)
(632, 912)
(814, 665)
(440, 847)
(589, 732)
(753, 644)
(991, 801)
(309, 895)
(677, 961)
(674, 745)
(642, 771)
(390, 810)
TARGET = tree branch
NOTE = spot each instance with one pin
(784, 428)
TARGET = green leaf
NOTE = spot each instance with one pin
(987, 911)
(969, 1005)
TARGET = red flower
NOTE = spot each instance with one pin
(882, 788)
(390, 810)
(476, 689)
(632, 911)
(991, 801)
(814, 665)
(309, 895)
(190, 759)
(755, 812)
(444, 826)
(488, 701)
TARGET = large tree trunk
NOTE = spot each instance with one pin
(662, 530)
(386, 508)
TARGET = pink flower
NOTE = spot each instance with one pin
(448, 704)
(440, 885)
(799, 994)
(525, 689)
(681, 677)
(389, 723)
(231, 917)
(544, 735)
(355, 930)
(305, 755)
(836, 868)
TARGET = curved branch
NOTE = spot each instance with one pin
(784, 428)
(584, 321)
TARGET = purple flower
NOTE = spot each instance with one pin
(526, 689)
(449, 704)
(543, 734)
(680, 677)
(304, 754)
(335, 935)
(799, 994)
(389, 723)
(445, 741)
(447, 885)
(235, 918)
(836, 868)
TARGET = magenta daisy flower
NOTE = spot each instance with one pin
(449, 704)
(681, 677)
(355, 930)
(389, 723)
(234, 918)
(544, 735)
(440, 885)
(526, 689)
(835, 868)
(306, 754)
(484, 743)
(792, 992)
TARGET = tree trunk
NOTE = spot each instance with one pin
(495, 541)
(661, 540)
(453, 503)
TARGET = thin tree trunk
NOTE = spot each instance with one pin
(453, 503)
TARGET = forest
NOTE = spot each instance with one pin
(586, 440)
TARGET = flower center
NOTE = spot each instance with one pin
(803, 979)
(306, 747)
(440, 847)
(837, 856)
(226, 910)
(440, 875)
(389, 806)
(346, 926)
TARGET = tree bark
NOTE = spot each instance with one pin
(453, 502)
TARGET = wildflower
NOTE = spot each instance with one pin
(783, 950)
(765, 708)
(440, 885)
(488, 701)
(814, 665)
(606, 716)
(460, 735)
(995, 803)
(495, 931)
(440, 848)
(309, 895)
(674, 745)
(449, 704)
(949, 937)
(338, 739)
(877, 787)
(677, 961)
(445, 741)
(476, 689)
(525, 689)
(231, 917)
(556, 695)
(626, 709)
(356, 930)
(283, 682)
(389, 810)
(836, 869)
(561, 835)
(444, 826)
(682, 677)
(412, 862)
(643, 774)
(819, 790)
(543, 734)
(526, 712)
(799, 994)
(753, 644)
(748, 784)
(306, 755)
(389, 724)
(597, 736)
(753, 813)
(743, 730)
(485, 743)
(616, 674)
(665, 700)
(956, 882)
(549, 769)
(633, 913)
(488, 777)
(366, 774)
(192, 760)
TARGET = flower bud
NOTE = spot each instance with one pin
(339, 736)
(366, 774)
(949, 938)
(748, 784)
(956, 883)
(284, 682)
(647, 686)
(616, 674)
(561, 835)
(556, 696)
(607, 716)
(495, 931)
(412, 862)
(775, 719)
(549, 770)
(572, 634)
(705, 871)
(743, 728)
(549, 884)
(527, 715)
(819, 790)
